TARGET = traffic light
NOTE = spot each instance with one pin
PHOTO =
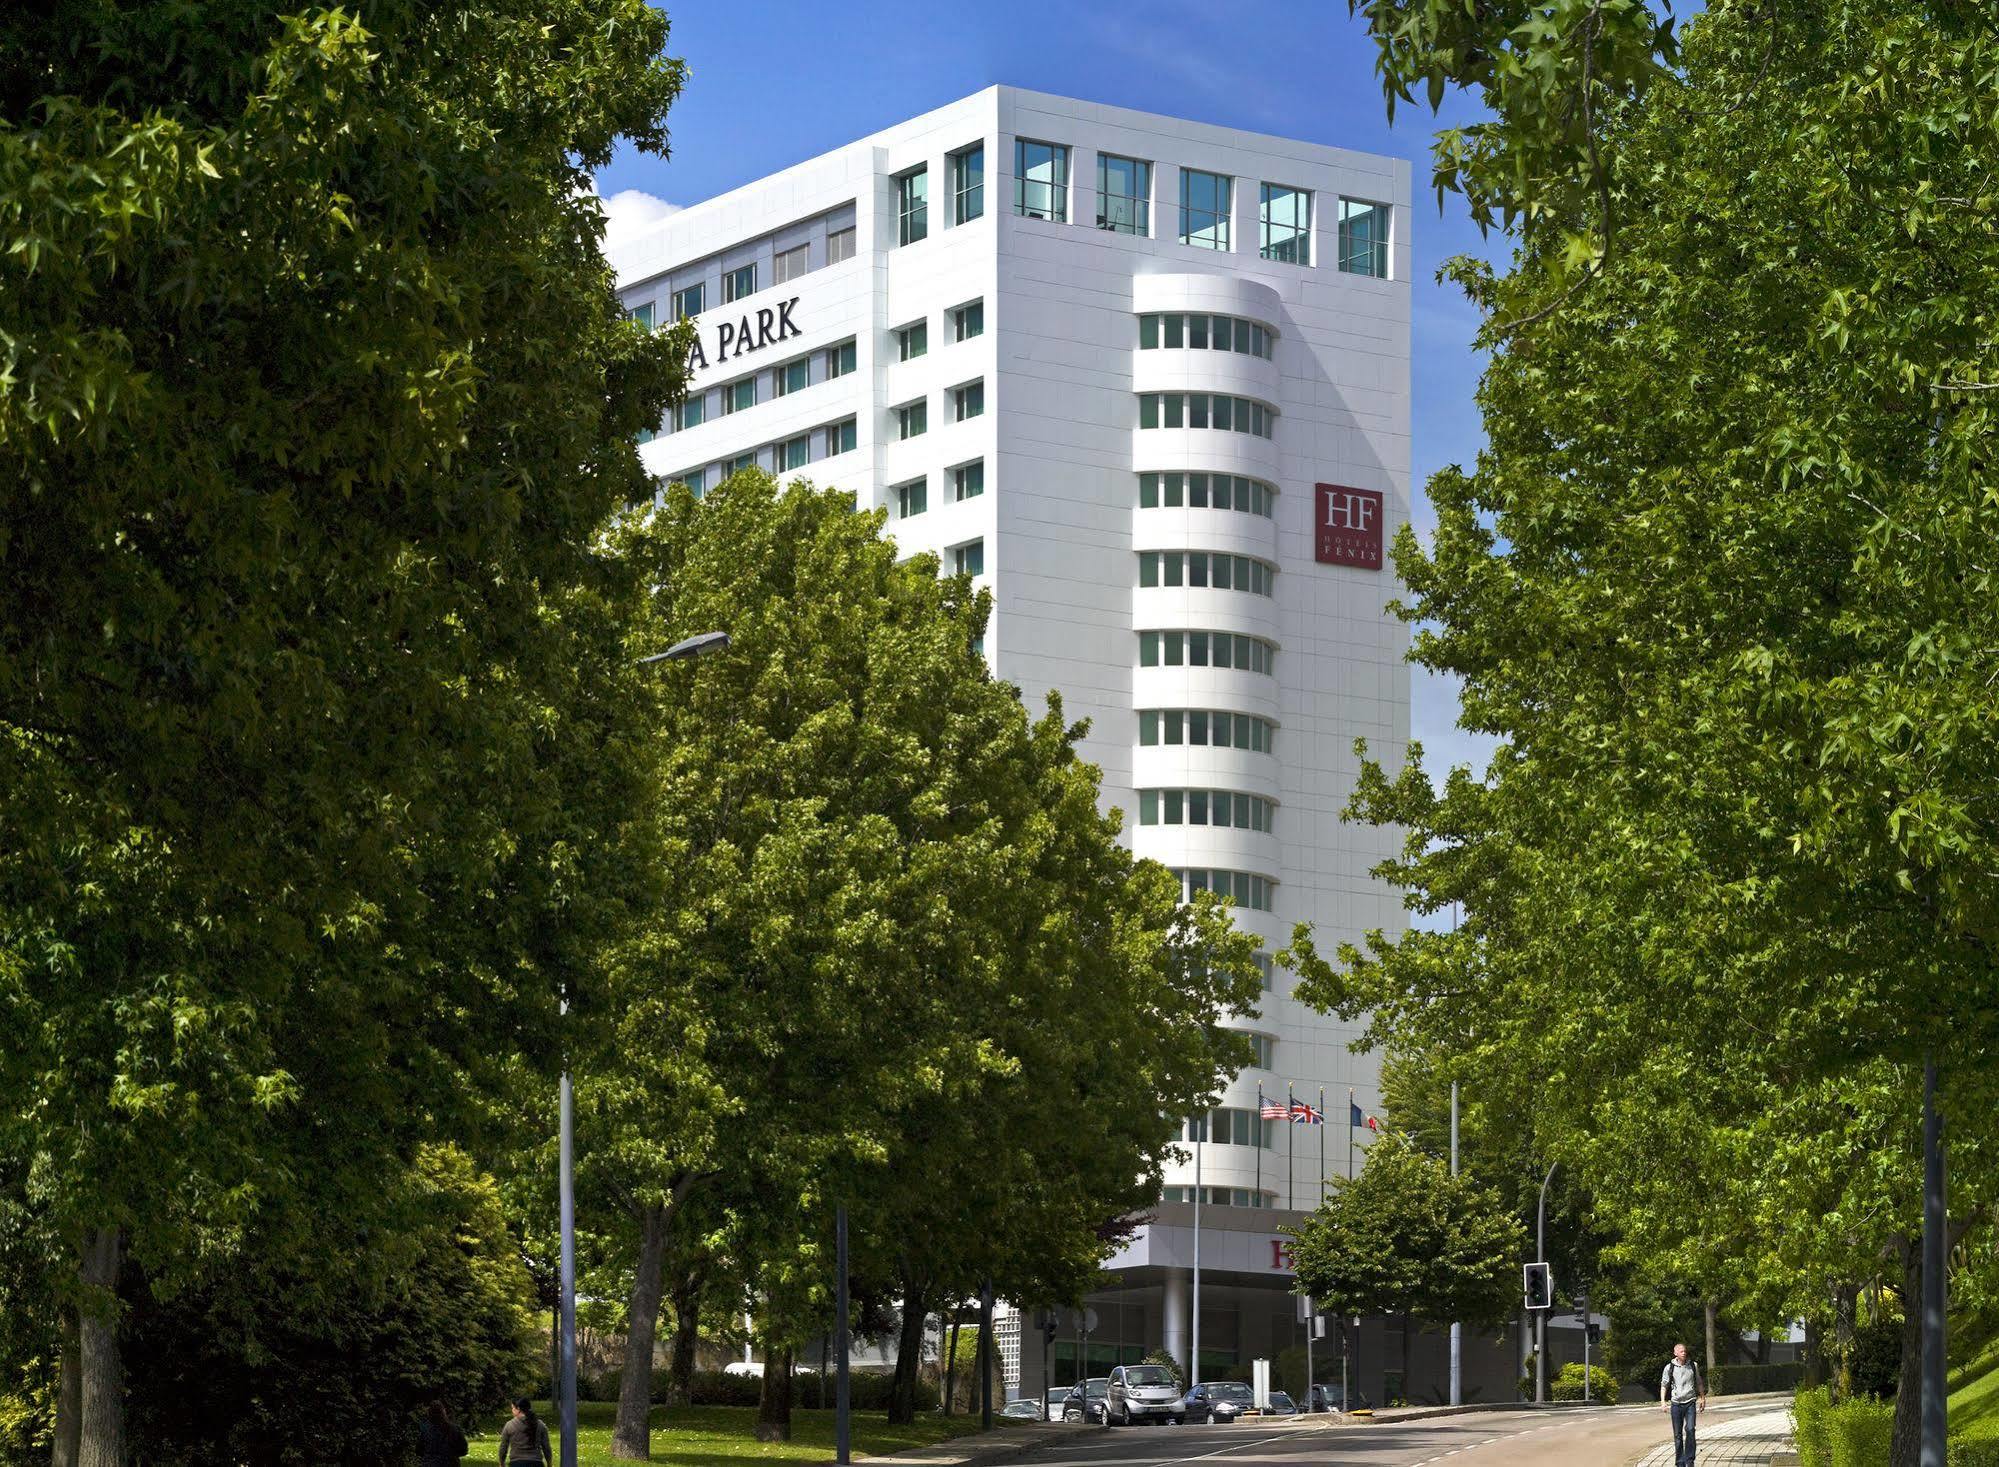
(1047, 1320)
(1538, 1284)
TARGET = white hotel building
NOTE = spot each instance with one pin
(1149, 380)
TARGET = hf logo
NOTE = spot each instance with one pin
(1346, 526)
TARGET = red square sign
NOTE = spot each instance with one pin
(1346, 526)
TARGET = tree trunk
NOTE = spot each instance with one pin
(774, 1397)
(101, 1387)
(951, 1365)
(631, 1437)
(1815, 1373)
(1708, 1362)
(908, 1358)
(1845, 1308)
(69, 1397)
(686, 1337)
(1906, 1447)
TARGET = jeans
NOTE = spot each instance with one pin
(1683, 1432)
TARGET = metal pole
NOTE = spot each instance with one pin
(1291, 1149)
(1585, 1350)
(1194, 1345)
(1311, 1375)
(1261, 1132)
(986, 1357)
(1541, 1319)
(1935, 1225)
(1322, 1147)
(843, 1399)
(566, 1105)
(1457, 1328)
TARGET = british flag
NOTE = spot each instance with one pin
(1306, 1115)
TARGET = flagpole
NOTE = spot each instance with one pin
(1291, 1156)
(1350, 1111)
(1259, 1143)
(1322, 1146)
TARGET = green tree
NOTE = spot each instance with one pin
(1721, 582)
(317, 394)
(1406, 1237)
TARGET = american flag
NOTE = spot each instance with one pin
(1275, 1110)
(1306, 1115)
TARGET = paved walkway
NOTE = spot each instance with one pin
(1748, 1440)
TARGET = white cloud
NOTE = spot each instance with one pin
(631, 212)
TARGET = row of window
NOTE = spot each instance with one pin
(828, 441)
(912, 419)
(1229, 1125)
(1207, 204)
(779, 381)
(1173, 330)
(967, 169)
(1205, 491)
(1212, 727)
(1205, 568)
(913, 340)
(1205, 649)
(1206, 410)
(1219, 1197)
(966, 481)
(1244, 888)
(1228, 808)
(786, 265)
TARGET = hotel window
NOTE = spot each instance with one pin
(968, 184)
(739, 395)
(1167, 490)
(798, 451)
(738, 283)
(645, 435)
(1364, 238)
(688, 300)
(1263, 966)
(912, 341)
(691, 413)
(840, 245)
(641, 314)
(789, 264)
(743, 461)
(968, 481)
(1217, 1197)
(911, 498)
(1230, 809)
(912, 205)
(1205, 649)
(839, 360)
(841, 437)
(1215, 727)
(969, 559)
(1204, 209)
(968, 401)
(1264, 1051)
(912, 419)
(968, 321)
(1205, 410)
(695, 479)
(1284, 222)
(1124, 191)
(790, 377)
(1244, 888)
(1206, 569)
(1176, 329)
(1227, 1126)
(1041, 180)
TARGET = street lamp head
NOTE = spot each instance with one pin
(698, 646)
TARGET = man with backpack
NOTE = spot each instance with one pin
(1682, 1394)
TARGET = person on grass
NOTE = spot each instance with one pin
(1682, 1395)
(439, 1442)
(524, 1440)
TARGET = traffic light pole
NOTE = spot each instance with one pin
(1541, 1323)
(1457, 1329)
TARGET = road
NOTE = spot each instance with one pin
(1611, 1437)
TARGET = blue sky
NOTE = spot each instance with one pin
(772, 82)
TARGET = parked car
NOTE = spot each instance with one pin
(1218, 1401)
(1088, 1404)
(1025, 1409)
(1332, 1398)
(1281, 1404)
(1142, 1393)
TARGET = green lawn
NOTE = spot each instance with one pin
(1974, 1404)
(702, 1434)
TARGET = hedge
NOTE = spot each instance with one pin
(1981, 1453)
(1808, 1417)
(1568, 1383)
(1860, 1431)
(1742, 1380)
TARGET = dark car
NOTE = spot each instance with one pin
(1281, 1404)
(1025, 1409)
(1331, 1398)
(1218, 1401)
(1142, 1393)
(1088, 1406)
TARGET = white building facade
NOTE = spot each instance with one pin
(1149, 380)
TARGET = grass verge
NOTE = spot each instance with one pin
(696, 1435)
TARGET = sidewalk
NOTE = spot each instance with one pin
(1749, 1440)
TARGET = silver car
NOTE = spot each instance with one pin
(1142, 1393)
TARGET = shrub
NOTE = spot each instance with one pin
(1742, 1380)
(868, 1390)
(1568, 1383)
(1859, 1431)
(1808, 1423)
(1877, 1358)
(1981, 1453)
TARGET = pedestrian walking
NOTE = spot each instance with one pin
(439, 1442)
(1682, 1395)
(524, 1440)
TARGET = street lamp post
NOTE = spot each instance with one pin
(698, 646)
(1541, 1320)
